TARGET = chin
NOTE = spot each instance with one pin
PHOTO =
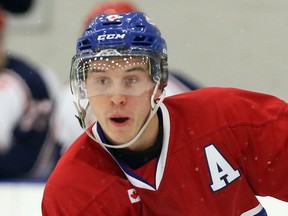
(117, 140)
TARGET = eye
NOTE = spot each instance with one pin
(102, 81)
(98, 80)
(131, 81)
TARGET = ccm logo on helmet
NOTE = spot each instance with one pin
(110, 36)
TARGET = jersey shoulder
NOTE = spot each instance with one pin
(226, 106)
(83, 172)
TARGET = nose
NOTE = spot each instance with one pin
(118, 99)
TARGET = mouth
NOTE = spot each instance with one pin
(120, 120)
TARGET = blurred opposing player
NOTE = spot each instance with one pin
(27, 93)
(69, 128)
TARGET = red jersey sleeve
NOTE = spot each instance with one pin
(264, 149)
(259, 124)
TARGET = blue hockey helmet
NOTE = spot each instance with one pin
(123, 34)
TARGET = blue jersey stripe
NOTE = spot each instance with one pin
(262, 213)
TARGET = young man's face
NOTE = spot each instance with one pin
(119, 91)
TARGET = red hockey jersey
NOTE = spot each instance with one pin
(221, 147)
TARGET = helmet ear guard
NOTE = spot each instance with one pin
(160, 69)
(164, 73)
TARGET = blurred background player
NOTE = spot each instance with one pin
(67, 128)
(27, 93)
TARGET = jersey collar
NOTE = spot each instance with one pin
(134, 179)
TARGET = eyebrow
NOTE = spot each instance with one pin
(135, 69)
(97, 70)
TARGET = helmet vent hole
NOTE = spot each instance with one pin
(143, 40)
(139, 38)
(112, 23)
(84, 44)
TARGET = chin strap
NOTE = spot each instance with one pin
(82, 112)
(155, 104)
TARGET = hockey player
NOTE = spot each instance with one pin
(206, 152)
(27, 141)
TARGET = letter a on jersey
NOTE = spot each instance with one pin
(221, 172)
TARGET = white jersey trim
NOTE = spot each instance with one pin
(132, 177)
(15, 93)
(253, 211)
